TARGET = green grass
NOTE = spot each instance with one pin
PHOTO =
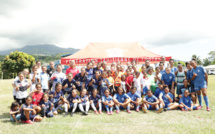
(174, 121)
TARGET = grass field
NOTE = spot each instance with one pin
(175, 121)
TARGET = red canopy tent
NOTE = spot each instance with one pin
(124, 52)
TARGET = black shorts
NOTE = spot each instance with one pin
(20, 101)
(31, 117)
(14, 97)
(111, 89)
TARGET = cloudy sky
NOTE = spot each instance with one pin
(172, 28)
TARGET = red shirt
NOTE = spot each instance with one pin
(36, 98)
(129, 80)
(74, 71)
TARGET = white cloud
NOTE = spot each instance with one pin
(158, 25)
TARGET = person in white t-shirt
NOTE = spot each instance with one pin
(35, 77)
(138, 83)
(39, 68)
(21, 86)
(44, 78)
(58, 76)
(157, 76)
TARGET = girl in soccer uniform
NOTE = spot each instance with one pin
(159, 90)
(44, 78)
(104, 83)
(72, 101)
(68, 84)
(180, 76)
(37, 96)
(166, 100)
(185, 103)
(135, 99)
(15, 112)
(200, 79)
(89, 71)
(151, 102)
(95, 101)
(94, 82)
(35, 77)
(81, 80)
(84, 102)
(98, 68)
(107, 101)
(21, 89)
(57, 97)
(28, 113)
(58, 76)
(47, 107)
(121, 100)
(111, 81)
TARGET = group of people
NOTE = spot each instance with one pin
(101, 87)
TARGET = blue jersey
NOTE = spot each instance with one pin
(168, 78)
(103, 86)
(70, 98)
(173, 70)
(133, 96)
(162, 72)
(69, 83)
(186, 100)
(95, 84)
(48, 104)
(84, 99)
(189, 76)
(96, 69)
(82, 80)
(90, 73)
(165, 99)
(200, 78)
(185, 88)
(26, 106)
(121, 98)
(151, 99)
(95, 99)
(109, 98)
(56, 97)
(157, 92)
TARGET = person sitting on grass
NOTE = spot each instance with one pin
(151, 102)
(166, 100)
(72, 102)
(57, 97)
(158, 90)
(185, 103)
(135, 99)
(107, 101)
(28, 113)
(95, 101)
(37, 96)
(47, 107)
(121, 100)
(15, 112)
(84, 102)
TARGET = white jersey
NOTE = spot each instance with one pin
(58, 77)
(22, 93)
(123, 85)
(33, 84)
(137, 83)
(14, 81)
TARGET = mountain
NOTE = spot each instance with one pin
(45, 49)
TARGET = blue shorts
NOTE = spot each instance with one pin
(179, 89)
(192, 88)
(17, 117)
(200, 86)
(31, 117)
(121, 107)
(150, 107)
(166, 105)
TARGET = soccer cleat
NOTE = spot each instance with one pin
(138, 110)
(71, 114)
(160, 110)
(144, 110)
(208, 109)
(29, 122)
(96, 112)
(108, 113)
(23, 121)
(100, 112)
(129, 111)
(111, 112)
(117, 111)
(199, 107)
(65, 114)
